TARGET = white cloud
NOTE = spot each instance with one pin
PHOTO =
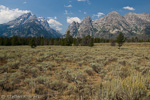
(81, 0)
(58, 28)
(85, 12)
(128, 8)
(88, 1)
(55, 17)
(99, 14)
(54, 23)
(71, 19)
(7, 14)
(25, 2)
(67, 13)
(68, 6)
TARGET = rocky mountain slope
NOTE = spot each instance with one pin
(130, 25)
(28, 25)
(140, 23)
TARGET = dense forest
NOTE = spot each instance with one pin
(68, 40)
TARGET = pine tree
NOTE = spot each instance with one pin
(32, 43)
(120, 40)
(74, 41)
(51, 41)
(91, 43)
(7, 41)
(1, 41)
(62, 42)
(77, 42)
(68, 39)
(84, 41)
(14, 41)
(87, 41)
(42, 41)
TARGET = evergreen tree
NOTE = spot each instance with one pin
(42, 41)
(46, 41)
(1, 41)
(91, 43)
(84, 41)
(62, 42)
(68, 39)
(56, 42)
(51, 41)
(14, 41)
(32, 43)
(87, 41)
(7, 41)
(77, 42)
(74, 41)
(120, 40)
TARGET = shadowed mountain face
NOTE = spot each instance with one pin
(28, 25)
(73, 28)
(130, 25)
(86, 27)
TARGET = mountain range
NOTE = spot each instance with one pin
(112, 24)
(109, 26)
(28, 25)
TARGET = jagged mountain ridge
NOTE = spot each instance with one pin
(44, 22)
(130, 25)
(28, 25)
(139, 22)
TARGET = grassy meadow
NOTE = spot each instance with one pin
(102, 72)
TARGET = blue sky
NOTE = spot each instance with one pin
(60, 13)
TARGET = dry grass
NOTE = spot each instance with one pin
(77, 73)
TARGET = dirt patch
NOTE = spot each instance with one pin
(3, 61)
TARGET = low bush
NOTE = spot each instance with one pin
(96, 67)
(134, 87)
(88, 70)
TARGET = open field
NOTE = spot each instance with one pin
(101, 72)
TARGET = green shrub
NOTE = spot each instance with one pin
(124, 72)
(96, 67)
(14, 65)
(88, 70)
(31, 82)
(4, 68)
(4, 79)
(134, 87)
(58, 85)
(25, 68)
(41, 79)
(34, 72)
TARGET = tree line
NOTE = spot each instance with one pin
(68, 40)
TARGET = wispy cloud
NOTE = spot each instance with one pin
(68, 13)
(25, 2)
(7, 14)
(79, 10)
(54, 23)
(68, 6)
(72, 19)
(88, 1)
(85, 12)
(128, 8)
(99, 14)
(81, 0)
